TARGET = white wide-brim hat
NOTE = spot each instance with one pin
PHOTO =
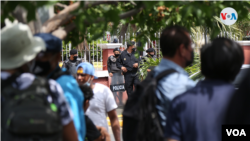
(18, 46)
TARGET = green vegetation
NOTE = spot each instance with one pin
(149, 17)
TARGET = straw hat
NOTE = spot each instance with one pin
(18, 46)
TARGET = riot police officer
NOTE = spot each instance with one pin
(150, 54)
(72, 63)
(115, 74)
(128, 63)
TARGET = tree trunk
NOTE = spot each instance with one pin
(122, 33)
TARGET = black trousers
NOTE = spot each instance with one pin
(131, 80)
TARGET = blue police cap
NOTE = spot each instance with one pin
(52, 42)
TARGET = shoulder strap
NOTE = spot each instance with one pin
(9, 80)
(164, 73)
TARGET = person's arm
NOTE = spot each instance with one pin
(136, 60)
(119, 62)
(109, 65)
(111, 106)
(115, 124)
(69, 132)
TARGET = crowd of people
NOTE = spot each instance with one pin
(41, 101)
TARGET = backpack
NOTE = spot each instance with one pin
(140, 116)
(27, 115)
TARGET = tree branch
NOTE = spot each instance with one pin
(64, 16)
(131, 13)
(62, 32)
(61, 5)
(89, 5)
(121, 16)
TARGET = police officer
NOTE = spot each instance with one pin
(115, 73)
(112, 68)
(128, 63)
(150, 54)
(72, 63)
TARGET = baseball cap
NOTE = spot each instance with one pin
(87, 68)
(73, 51)
(130, 44)
(150, 50)
(52, 42)
(117, 49)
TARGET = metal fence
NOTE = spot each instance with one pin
(93, 52)
(199, 39)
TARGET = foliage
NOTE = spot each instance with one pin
(193, 70)
(142, 73)
(152, 19)
(229, 31)
(244, 25)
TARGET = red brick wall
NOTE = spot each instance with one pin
(246, 49)
(105, 54)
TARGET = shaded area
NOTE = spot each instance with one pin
(238, 110)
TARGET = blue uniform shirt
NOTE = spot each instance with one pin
(75, 99)
(197, 115)
(171, 86)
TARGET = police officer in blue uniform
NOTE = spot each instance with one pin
(128, 63)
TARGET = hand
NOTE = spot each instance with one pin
(124, 69)
(148, 70)
(135, 65)
(110, 74)
(104, 134)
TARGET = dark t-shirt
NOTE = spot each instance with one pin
(197, 115)
(92, 132)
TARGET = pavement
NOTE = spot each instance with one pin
(119, 113)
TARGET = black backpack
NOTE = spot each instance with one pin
(140, 116)
(27, 115)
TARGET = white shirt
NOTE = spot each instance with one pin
(102, 102)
